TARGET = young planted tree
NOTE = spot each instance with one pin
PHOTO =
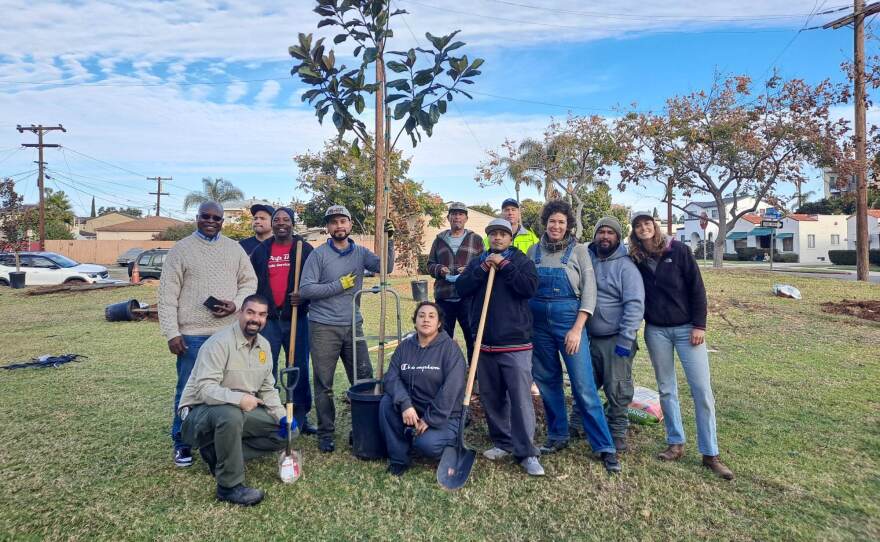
(12, 227)
(727, 143)
(427, 80)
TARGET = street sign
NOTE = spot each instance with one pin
(771, 213)
(771, 223)
(704, 220)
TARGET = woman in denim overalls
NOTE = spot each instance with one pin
(565, 298)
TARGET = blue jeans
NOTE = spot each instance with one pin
(429, 444)
(662, 344)
(553, 319)
(185, 364)
(277, 332)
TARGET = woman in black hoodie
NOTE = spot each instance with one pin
(675, 321)
(424, 388)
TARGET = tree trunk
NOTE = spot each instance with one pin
(579, 219)
(718, 256)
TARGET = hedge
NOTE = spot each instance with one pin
(848, 257)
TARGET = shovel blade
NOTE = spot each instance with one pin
(455, 467)
(290, 467)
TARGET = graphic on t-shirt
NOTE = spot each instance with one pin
(279, 271)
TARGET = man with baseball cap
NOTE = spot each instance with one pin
(332, 274)
(274, 263)
(505, 364)
(262, 226)
(452, 250)
(523, 238)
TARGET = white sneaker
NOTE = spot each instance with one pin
(494, 454)
(532, 466)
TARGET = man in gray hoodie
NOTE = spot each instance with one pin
(620, 306)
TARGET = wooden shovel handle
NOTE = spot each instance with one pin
(472, 373)
(293, 309)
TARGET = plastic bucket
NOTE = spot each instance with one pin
(366, 437)
(16, 279)
(419, 290)
(122, 312)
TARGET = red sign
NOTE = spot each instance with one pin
(704, 220)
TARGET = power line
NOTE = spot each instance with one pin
(816, 7)
(105, 162)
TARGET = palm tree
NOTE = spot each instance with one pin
(219, 190)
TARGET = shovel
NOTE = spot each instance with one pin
(458, 460)
(294, 310)
(290, 462)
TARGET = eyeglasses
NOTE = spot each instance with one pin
(207, 216)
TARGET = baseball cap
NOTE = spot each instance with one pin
(336, 210)
(638, 214)
(262, 207)
(508, 202)
(458, 206)
(499, 224)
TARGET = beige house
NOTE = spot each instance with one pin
(110, 219)
(142, 229)
(234, 210)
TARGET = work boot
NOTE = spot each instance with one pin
(673, 453)
(183, 457)
(575, 423)
(308, 428)
(612, 465)
(620, 444)
(240, 494)
(397, 469)
(327, 445)
(553, 445)
(495, 453)
(532, 466)
(714, 464)
(209, 456)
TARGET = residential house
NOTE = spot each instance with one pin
(109, 219)
(142, 229)
(234, 210)
(873, 230)
(808, 236)
(477, 223)
(693, 235)
(835, 186)
(738, 237)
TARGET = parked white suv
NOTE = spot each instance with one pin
(43, 268)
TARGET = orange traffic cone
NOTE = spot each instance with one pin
(135, 274)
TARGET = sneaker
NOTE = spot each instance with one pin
(496, 453)
(612, 465)
(553, 445)
(308, 429)
(240, 494)
(183, 457)
(397, 469)
(209, 456)
(327, 445)
(532, 466)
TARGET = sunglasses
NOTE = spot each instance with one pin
(207, 216)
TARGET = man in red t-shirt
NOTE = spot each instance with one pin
(273, 263)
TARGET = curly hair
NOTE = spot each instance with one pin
(559, 206)
(640, 251)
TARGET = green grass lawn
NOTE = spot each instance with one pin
(85, 453)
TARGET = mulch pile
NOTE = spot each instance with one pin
(867, 310)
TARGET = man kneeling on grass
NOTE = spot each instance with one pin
(230, 408)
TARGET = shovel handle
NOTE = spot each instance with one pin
(478, 340)
(294, 312)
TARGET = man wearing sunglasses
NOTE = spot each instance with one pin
(205, 279)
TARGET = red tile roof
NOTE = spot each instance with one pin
(753, 218)
(874, 212)
(151, 223)
(803, 217)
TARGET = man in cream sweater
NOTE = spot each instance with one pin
(206, 266)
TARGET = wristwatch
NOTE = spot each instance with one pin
(184, 412)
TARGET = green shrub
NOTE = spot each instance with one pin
(786, 257)
(848, 257)
(423, 264)
(747, 254)
(731, 257)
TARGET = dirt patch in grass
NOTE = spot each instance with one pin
(867, 310)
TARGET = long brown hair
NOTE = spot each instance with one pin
(639, 251)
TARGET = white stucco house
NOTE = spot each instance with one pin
(873, 230)
(808, 236)
(692, 234)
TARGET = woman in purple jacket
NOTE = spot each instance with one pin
(424, 388)
(675, 321)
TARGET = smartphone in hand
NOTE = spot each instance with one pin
(213, 303)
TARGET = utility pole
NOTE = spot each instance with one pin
(40, 130)
(857, 19)
(669, 206)
(158, 193)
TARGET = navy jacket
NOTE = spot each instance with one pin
(509, 318)
(429, 379)
(674, 294)
(260, 261)
(249, 245)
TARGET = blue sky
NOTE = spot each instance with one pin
(127, 81)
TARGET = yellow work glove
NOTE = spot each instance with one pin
(347, 281)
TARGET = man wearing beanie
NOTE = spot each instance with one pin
(274, 262)
(620, 305)
(205, 280)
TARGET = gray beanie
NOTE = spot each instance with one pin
(610, 222)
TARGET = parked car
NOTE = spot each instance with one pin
(42, 268)
(150, 263)
(129, 256)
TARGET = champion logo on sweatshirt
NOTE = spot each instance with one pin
(408, 367)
